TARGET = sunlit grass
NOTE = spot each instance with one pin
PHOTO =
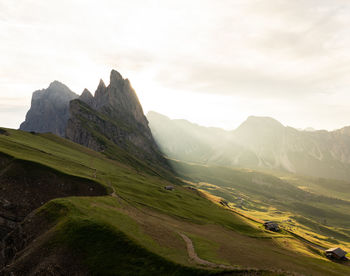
(146, 218)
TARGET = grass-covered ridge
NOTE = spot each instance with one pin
(131, 184)
(102, 242)
(145, 220)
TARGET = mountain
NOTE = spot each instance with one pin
(110, 121)
(99, 204)
(113, 117)
(49, 109)
(258, 143)
(179, 139)
(317, 153)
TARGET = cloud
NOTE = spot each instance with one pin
(285, 49)
(254, 82)
(282, 50)
(12, 111)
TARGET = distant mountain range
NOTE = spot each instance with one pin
(113, 119)
(258, 143)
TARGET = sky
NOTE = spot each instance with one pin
(211, 62)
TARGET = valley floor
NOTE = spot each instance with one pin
(140, 228)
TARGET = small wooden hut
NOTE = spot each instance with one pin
(272, 226)
(336, 253)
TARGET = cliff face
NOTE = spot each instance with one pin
(49, 110)
(113, 116)
(109, 121)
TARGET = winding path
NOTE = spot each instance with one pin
(114, 194)
(193, 255)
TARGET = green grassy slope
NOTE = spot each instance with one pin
(282, 197)
(131, 184)
(139, 226)
(321, 186)
(109, 241)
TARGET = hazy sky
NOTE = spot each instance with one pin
(212, 62)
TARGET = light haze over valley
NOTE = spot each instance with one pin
(175, 138)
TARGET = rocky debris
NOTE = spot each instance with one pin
(49, 109)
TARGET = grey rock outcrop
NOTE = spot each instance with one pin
(113, 117)
(49, 109)
(87, 97)
(110, 121)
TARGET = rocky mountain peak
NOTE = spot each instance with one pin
(100, 97)
(113, 117)
(56, 85)
(256, 121)
(101, 85)
(115, 76)
(49, 109)
(86, 93)
(87, 97)
(259, 133)
(119, 100)
(115, 113)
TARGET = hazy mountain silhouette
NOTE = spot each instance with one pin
(259, 142)
(49, 109)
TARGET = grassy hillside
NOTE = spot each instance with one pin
(312, 211)
(321, 186)
(135, 230)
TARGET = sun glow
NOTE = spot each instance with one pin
(212, 62)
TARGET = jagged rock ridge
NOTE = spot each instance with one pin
(49, 109)
(113, 116)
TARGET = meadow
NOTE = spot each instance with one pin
(136, 228)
